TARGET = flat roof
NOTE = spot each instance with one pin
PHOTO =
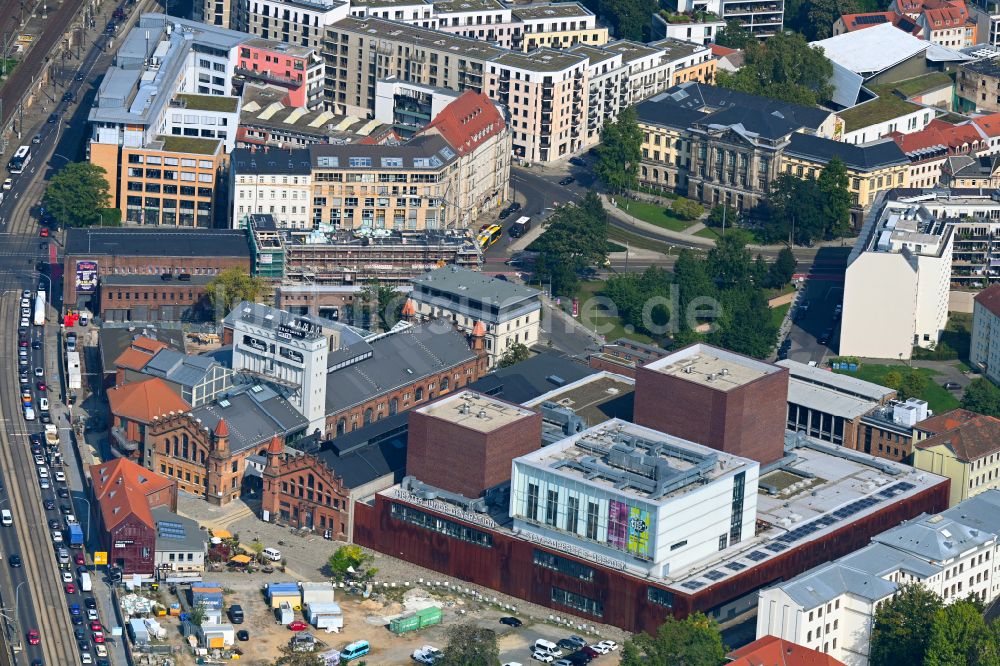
(870, 51)
(189, 144)
(473, 286)
(630, 50)
(595, 398)
(541, 60)
(223, 103)
(432, 40)
(836, 487)
(156, 242)
(678, 48)
(596, 54)
(606, 456)
(455, 6)
(841, 383)
(475, 411)
(285, 48)
(711, 366)
(827, 400)
(549, 10)
(388, 3)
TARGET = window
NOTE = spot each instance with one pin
(551, 506)
(592, 520)
(450, 528)
(660, 597)
(563, 565)
(723, 541)
(572, 513)
(532, 511)
(577, 602)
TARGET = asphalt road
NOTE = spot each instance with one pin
(823, 290)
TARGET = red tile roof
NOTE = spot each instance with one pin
(121, 488)
(721, 51)
(989, 124)
(989, 298)
(137, 355)
(869, 20)
(221, 429)
(970, 440)
(468, 122)
(143, 401)
(952, 15)
(958, 139)
(774, 651)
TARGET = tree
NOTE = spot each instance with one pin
(735, 36)
(619, 153)
(785, 68)
(982, 396)
(693, 641)
(576, 239)
(960, 637)
(781, 271)
(729, 261)
(351, 562)
(893, 379)
(385, 302)
(902, 626)
(629, 18)
(471, 645)
(257, 548)
(722, 214)
(745, 325)
(231, 286)
(77, 194)
(197, 614)
(913, 384)
(835, 198)
(516, 353)
(686, 209)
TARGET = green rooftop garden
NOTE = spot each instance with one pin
(689, 17)
(915, 86)
(887, 106)
(209, 102)
(189, 144)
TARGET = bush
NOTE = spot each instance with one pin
(941, 352)
(686, 209)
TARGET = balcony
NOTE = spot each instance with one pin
(122, 441)
(268, 77)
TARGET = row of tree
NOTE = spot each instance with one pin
(576, 240)
(784, 67)
(806, 208)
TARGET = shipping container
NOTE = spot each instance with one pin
(417, 620)
(327, 608)
(316, 593)
(285, 614)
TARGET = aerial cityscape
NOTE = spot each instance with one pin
(500, 332)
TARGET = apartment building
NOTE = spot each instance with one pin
(448, 174)
(929, 149)
(977, 85)
(485, 20)
(984, 350)
(695, 27)
(763, 18)
(968, 454)
(297, 69)
(950, 25)
(298, 22)
(908, 252)
(831, 608)
(555, 25)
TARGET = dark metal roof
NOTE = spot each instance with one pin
(369, 453)
(872, 156)
(254, 417)
(271, 160)
(158, 242)
(529, 379)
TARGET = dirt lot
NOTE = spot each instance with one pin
(367, 619)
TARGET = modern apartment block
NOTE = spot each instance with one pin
(761, 17)
(907, 252)
(452, 171)
(298, 22)
(298, 69)
(984, 350)
(556, 25)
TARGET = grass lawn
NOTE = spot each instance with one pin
(714, 234)
(938, 398)
(654, 214)
(621, 237)
(778, 313)
(610, 327)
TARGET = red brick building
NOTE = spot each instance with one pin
(717, 398)
(134, 406)
(302, 491)
(470, 432)
(125, 494)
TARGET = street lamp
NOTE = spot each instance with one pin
(84, 499)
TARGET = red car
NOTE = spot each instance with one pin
(70, 588)
(78, 559)
(298, 625)
(96, 626)
(33, 637)
(98, 637)
(44, 233)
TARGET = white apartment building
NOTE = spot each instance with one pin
(300, 22)
(831, 607)
(647, 72)
(984, 350)
(506, 313)
(694, 31)
(897, 282)
(276, 182)
(761, 17)
(413, 12)
(487, 20)
(657, 502)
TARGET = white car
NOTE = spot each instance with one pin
(24, 322)
(428, 654)
(39, 372)
(8, 183)
(43, 472)
(44, 484)
(25, 303)
(60, 476)
(85, 658)
(543, 657)
(607, 646)
(67, 577)
(25, 312)
(39, 460)
(101, 650)
(57, 537)
(92, 614)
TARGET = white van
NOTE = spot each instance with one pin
(547, 647)
(272, 554)
(6, 518)
(29, 414)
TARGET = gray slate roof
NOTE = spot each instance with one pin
(254, 416)
(114, 341)
(193, 538)
(934, 538)
(473, 285)
(874, 155)
(530, 378)
(828, 581)
(159, 242)
(179, 368)
(274, 161)
(398, 359)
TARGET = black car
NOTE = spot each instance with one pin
(36, 344)
(823, 339)
(514, 207)
(76, 619)
(505, 213)
(54, 524)
(53, 118)
(36, 139)
(80, 634)
(63, 493)
(15, 561)
(78, 77)
(579, 658)
(89, 602)
(952, 386)
(67, 96)
(242, 635)
(49, 504)
(66, 509)
(578, 161)
(567, 644)
(511, 621)
(102, 662)
(568, 180)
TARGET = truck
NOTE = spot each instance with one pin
(40, 308)
(76, 537)
(74, 380)
(413, 621)
(519, 227)
(51, 434)
(85, 584)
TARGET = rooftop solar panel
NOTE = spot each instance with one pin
(715, 574)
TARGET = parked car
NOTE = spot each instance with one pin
(568, 180)
(952, 386)
(511, 621)
(298, 625)
(242, 635)
(578, 161)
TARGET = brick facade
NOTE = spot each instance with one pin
(166, 301)
(302, 491)
(418, 393)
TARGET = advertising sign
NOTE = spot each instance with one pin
(255, 343)
(617, 524)
(290, 354)
(101, 557)
(638, 532)
(86, 277)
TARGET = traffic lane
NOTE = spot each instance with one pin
(823, 298)
(25, 611)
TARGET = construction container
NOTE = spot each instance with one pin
(285, 614)
(280, 593)
(137, 630)
(217, 635)
(208, 600)
(328, 622)
(321, 609)
(316, 593)
(417, 620)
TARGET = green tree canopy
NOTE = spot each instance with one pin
(693, 641)
(348, 559)
(686, 209)
(231, 286)
(516, 353)
(471, 645)
(902, 628)
(575, 239)
(835, 198)
(629, 19)
(619, 152)
(77, 195)
(385, 302)
(722, 214)
(982, 396)
(735, 36)
(781, 271)
(807, 209)
(786, 68)
(960, 637)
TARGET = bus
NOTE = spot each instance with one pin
(519, 228)
(19, 160)
(40, 308)
(489, 236)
